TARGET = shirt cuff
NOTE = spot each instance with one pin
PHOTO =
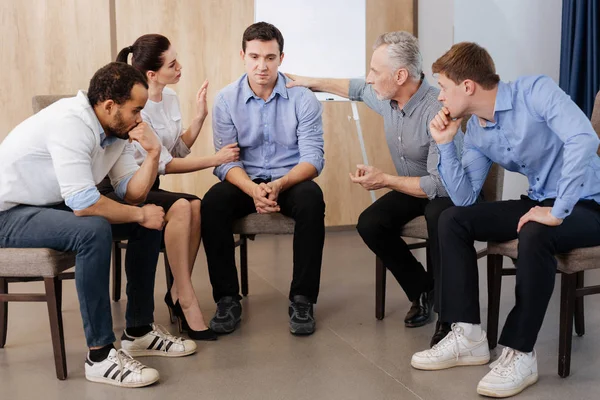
(222, 170)
(562, 208)
(318, 163)
(121, 190)
(162, 164)
(356, 89)
(83, 199)
(428, 186)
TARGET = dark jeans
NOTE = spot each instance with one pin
(224, 203)
(91, 237)
(379, 226)
(536, 265)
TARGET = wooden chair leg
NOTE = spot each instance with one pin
(117, 267)
(3, 313)
(567, 309)
(579, 307)
(494, 280)
(380, 287)
(53, 291)
(244, 264)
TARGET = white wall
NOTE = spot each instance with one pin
(523, 37)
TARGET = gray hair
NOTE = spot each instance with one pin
(403, 51)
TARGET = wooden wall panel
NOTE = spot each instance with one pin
(345, 200)
(207, 35)
(54, 46)
(48, 47)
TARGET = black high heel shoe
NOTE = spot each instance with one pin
(207, 334)
(172, 308)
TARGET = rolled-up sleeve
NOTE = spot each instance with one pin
(310, 131)
(360, 90)
(224, 133)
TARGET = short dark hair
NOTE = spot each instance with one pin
(114, 82)
(262, 31)
(468, 60)
(148, 52)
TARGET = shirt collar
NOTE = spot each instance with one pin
(279, 88)
(416, 98)
(93, 121)
(503, 102)
(106, 141)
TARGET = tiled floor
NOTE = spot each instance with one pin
(351, 356)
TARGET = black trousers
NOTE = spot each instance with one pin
(225, 202)
(536, 264)
(379, 226)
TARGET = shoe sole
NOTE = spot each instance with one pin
(301, 331)
(224, 331)
(111, 382)
(463, 361)
(417, 324)
(158, 353)
(500, 393)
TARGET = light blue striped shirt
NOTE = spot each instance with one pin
(537, 131)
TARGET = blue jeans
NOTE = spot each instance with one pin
(91, 237)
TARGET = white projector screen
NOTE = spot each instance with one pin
(322, 38)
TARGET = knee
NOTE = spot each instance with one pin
(312, 203)
(180, 210)
(435, 208)
(216, 199)
(96, 230)
(369, 224)
(452, 220)
(534, 236)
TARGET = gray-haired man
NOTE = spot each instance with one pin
(396, 89)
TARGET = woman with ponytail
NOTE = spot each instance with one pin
(156, 58)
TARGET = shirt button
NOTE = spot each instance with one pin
(497, 126)
(402, 158)
(537, 179)
(508, 149)
(582, 185)
(523, 166)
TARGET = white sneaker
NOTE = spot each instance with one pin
(453, 350)
(120, 369)
(511, 374)
(158, 342)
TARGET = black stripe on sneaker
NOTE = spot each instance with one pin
(88, 362)
(168, 347)
(125, 375)
(114, 377)
(151, 347)
(108, 371)
(160, 345)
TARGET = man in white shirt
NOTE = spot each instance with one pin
(49, 166)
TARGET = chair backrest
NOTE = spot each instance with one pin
(40, 102)
(494, 183)
(596, 117)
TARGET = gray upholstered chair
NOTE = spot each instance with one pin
(571, 265)
(26, 265)
(256, 224)
(417, 229)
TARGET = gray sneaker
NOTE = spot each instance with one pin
(302, 320)
(227, 316)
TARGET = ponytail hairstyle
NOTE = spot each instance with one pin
(147, 52)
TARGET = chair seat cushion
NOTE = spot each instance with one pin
(34, 262)
(256, 224)
(416, 228)
(574, 261)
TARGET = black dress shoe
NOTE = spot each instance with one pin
(420, 311)
(441, 330)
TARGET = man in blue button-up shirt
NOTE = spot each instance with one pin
(280, 134)
(528, 126)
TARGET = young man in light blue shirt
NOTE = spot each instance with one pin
(280, 134)
(528, 126)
